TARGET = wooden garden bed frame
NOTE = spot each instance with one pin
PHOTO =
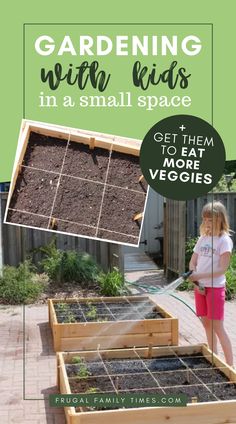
(112, 334)
(218, 412)
(91, 138)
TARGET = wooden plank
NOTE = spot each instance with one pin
(130, 353)
(175, 332)
(108, 342)
(23, 142)
(219, 363)
(219, 412)
(115, 328)
(102, 299)
(204, 413)
(120, 144)
(65, 389)
(124, 333)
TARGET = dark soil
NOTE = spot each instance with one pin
(126, 382)
(78, 202)
(27, 219)
(196, 361)
(82, 385)
(176, 378)
(154, 390)
(72, 290)
(94, 369)
(223, 391)
(96, 311)
(164, 364)
(200, 392)
(119, 208)
(34, 192)
(125, 366)
(35, 153)
(85, 163)
(68, 227)
(211, 376)
(124, 171)
(131, 376)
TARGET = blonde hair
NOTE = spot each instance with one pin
(220, 222)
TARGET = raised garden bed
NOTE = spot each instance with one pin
(77, 182)
(110, 322)
(210, 385)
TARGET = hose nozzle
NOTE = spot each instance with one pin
(186, 275)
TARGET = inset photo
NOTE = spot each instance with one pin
(77, 182)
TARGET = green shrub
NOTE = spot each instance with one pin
(66, 266)
(112, 283)
(20, 285)
(231, 278)
(189, 246)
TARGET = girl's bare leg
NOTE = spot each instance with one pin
(224, 340)
(210, 333)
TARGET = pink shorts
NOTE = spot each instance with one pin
(211, 304)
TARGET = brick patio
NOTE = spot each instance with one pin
(41, 364)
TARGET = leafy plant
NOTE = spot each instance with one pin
(112, 283)
(77, 360)
(70, 318)
(83, 371)
(20, 285)
(65, 266)
(61, 307)
(92, 312)
(92, 390)
(189, 246)
(231, 278)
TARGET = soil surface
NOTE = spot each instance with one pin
(95, 312)
(94, 369)
(82, 162)
(125, 171)
(78, 201)
(126, 382)
(167, 375)
(125, 366)
(27, 219)
(34, 192)
(119, 209)
(83, 204)
(82, 385)
(40, 144)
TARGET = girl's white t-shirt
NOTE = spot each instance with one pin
(209, 257)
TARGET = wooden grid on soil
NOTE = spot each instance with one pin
(110, 322)
(81, 185)
(169, 371)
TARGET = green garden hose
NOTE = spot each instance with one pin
(153, 290)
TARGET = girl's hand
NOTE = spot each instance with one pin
(195, 276)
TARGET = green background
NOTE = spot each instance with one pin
(129, 122)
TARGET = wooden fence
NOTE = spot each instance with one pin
(174, 236)
(182, 220)
(17, 242)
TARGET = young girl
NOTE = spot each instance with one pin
(209, 263)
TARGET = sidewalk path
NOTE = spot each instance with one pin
(190, 327)
(40, 376)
